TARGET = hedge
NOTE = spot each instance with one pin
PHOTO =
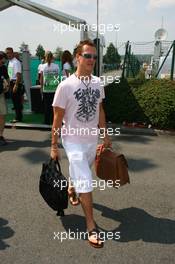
(150, 101)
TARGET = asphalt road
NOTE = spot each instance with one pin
(143, 212)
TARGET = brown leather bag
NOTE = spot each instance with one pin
(110, 165)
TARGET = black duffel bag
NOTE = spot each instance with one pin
(53, 186)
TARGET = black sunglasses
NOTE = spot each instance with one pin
(89, 56)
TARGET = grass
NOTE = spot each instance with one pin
(28, 117)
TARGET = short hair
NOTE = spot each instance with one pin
(78, 49)
(9, 48)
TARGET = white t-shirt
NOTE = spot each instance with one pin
(40, 67)
(14, 67)
(66, 66)
(50, 77)
(81, 104)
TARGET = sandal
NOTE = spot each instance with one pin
(73, 198)
(95, 232)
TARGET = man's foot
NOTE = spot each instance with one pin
(94, 239)
(73, 198)
(3, 142)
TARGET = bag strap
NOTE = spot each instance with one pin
(56, 162)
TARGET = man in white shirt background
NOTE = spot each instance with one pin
(40, 67)
(49, 81)
(16, 89)
(4, 84)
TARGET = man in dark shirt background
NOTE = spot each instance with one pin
(4, 82)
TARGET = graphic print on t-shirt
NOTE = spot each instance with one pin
(87, 99)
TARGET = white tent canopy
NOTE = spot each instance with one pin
(54, 15)
(42, 10)
(59, 16)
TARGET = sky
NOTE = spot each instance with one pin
(138, 20)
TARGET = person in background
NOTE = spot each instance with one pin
(17, 56)
(16, 87)
(40, 66)
(49, 82)
(74, 59)
(67, 64)
(4, 85)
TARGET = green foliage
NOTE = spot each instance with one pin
(153, 102)
(40, 52)
(120, 103)
(157, 99)
(24, 47)
(111, 55)
(141, 75)
(58, 53)
(138, 80)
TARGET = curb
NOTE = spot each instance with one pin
(19, 125)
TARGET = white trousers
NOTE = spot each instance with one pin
(81, 158)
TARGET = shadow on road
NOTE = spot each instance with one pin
(5, 232)
(135, 224)
(14, 145)
(140, 164)
(132, 139)
(36, 156)
(74, 223)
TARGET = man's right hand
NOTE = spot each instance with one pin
(55, 154)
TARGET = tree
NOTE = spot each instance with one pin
(111, 55)
(40, 52)
(58, 53)
(24, 47)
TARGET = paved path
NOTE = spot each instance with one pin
(143, 212)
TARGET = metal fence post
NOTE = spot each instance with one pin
(128, 61)
(125, 58)
(164, 60)
(173, 59)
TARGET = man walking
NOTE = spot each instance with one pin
(4, 82)
(78, 102)
(14, 71)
